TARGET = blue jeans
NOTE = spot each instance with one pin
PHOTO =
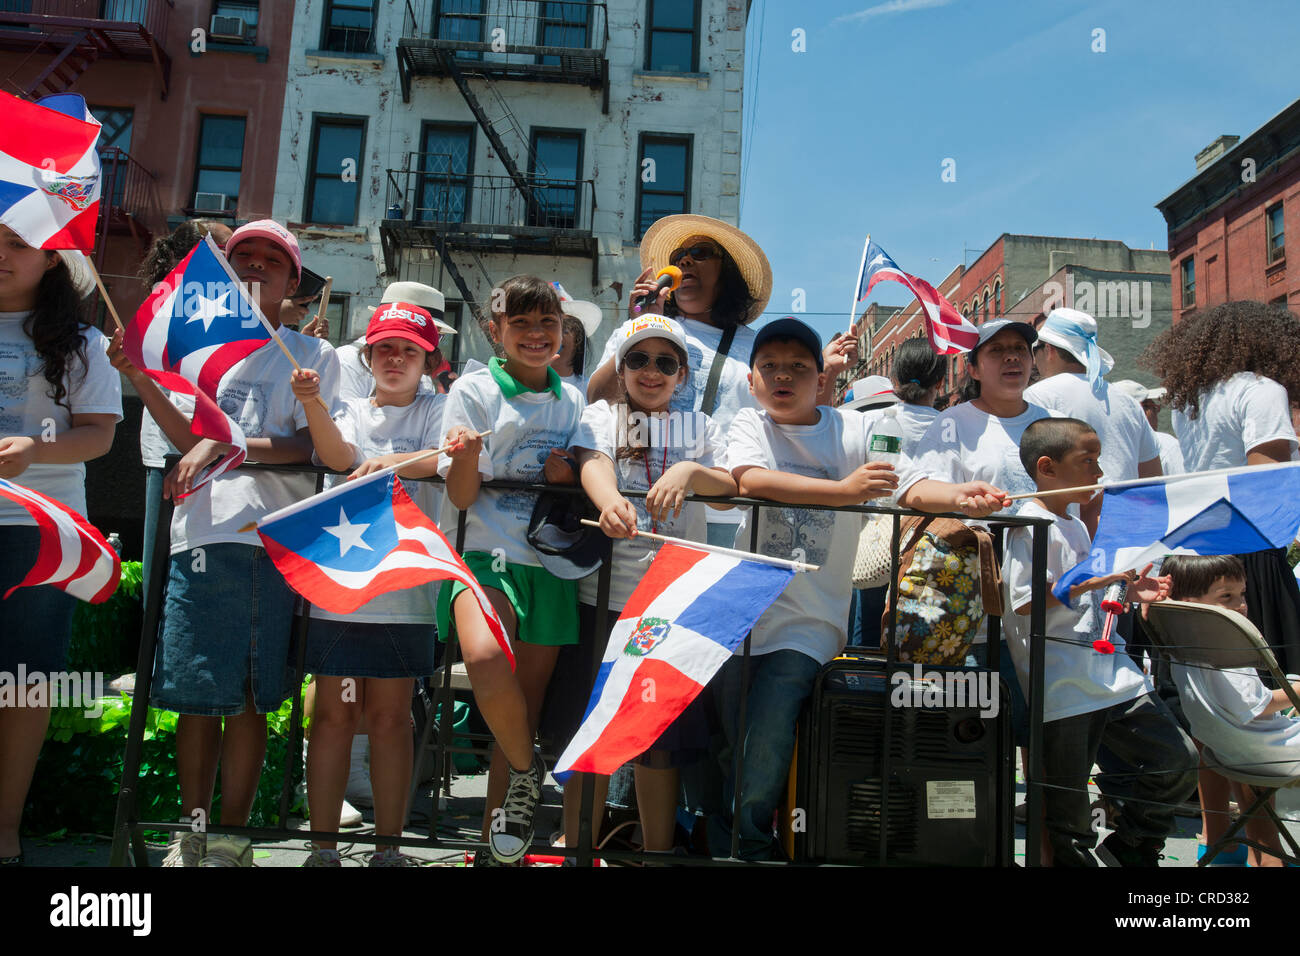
(779, 683)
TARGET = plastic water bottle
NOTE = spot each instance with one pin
(115, 542)
(886, 445)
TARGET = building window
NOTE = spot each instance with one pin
(348, 26)
(245, 10)
(122, 11)
(663, 178)
(333, 190)
(672, 41)
(1189, 282)
(986, 305)
(220, 158)
(1276, 234)
(562, 25)
(556, 166)
(997, 298)
(462, 21)
(448, 159)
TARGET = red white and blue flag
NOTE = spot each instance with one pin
(49, 171)
(197, 323)
(74, 557)
(363, 538)
(684, 620)
(950, 332)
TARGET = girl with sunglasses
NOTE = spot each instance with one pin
(637, 443)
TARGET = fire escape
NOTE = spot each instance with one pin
(61, 40)
(433, 205)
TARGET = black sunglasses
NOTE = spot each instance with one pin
(636, 361)
(697, 253)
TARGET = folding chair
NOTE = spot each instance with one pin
(1201, 635)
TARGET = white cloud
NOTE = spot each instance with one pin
(893, 6)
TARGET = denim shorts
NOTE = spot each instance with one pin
(356, 649)
(35, 622)
(227, 628)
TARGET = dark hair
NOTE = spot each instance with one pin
(518, 294)
(1052, 437)
(1192, 574)
(733, 300)
(1208, 347)
(637, 452)
(166, 251)
(579, 343)
(56, 327)
(917, 369)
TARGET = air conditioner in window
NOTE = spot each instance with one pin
(213, 202)
(230, 28)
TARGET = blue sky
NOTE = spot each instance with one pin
(1048, 137)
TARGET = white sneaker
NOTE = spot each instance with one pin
(358, 792)
(391, 857)
(186, 848)
(228, 851)
(321, 857)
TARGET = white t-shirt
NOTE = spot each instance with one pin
(394, 430)
(811, 613)
(256, 393)
(154, 445)
(26, 408)
(524, 430)
(1236, 415)
(1126, 435)
(1224, 708)
(691, 436)
(916, 421)
(1171, 454)
(1076, 678)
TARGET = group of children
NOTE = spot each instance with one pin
(223, 658)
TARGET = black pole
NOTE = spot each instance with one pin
(587, 808)
(739, 744)
(1037, 649)
(891, 662)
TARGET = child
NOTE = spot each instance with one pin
(224, 647)
(638, 444)
(1096, 707)
(799, 453)
(60, 402)
(532, 416)
(1231, 711)
(383, 645)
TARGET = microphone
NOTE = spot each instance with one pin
(670, 277)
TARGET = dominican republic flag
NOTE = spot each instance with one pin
(74, 557)
(196, 324)
(1232, 511)
(49, 171)
(949, 331)
(363, 538)
(686, 617)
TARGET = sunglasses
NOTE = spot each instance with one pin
(697, 253)
(635, 361)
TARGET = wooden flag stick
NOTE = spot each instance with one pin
(718, 549)
(371, 477)
(112, 309)
(275, 334)
(1157, 479)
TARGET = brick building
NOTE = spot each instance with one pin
(1228, 223)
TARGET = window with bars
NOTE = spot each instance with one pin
(556, 165)
(348, 26)
(462, 21)
(562, 25)
(443, 193)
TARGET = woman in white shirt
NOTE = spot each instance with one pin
(1230, 373)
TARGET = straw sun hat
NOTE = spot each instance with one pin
(672, 231)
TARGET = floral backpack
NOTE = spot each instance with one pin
(948, 580)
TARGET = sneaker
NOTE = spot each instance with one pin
(392, 857)
(228, 851)
(358, 792)
(322, 857)
(511, 842)
(1115, 852)
(186, 848)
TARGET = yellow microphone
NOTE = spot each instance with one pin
(669, 277)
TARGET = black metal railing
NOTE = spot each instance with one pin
(152, 15)
(491, 30)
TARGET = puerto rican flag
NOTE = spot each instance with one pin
(74, 557)
(950, 332)
(197, 323)
(1230, 511)
(687, 616)
(363, 538)
(49, 171)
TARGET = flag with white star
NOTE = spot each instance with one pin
(196, 324)
(363, 538)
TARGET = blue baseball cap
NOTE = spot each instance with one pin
(787, 329)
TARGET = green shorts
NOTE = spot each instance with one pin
(546, 606)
